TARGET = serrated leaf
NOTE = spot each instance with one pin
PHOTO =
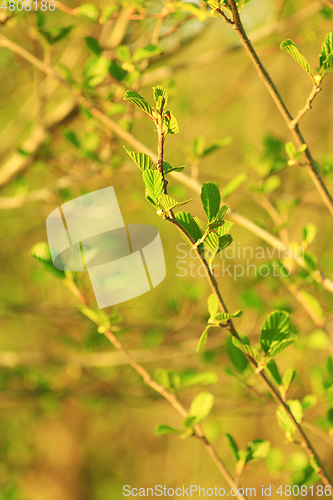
(166, 429)
(217, 243)
(143, 161)
(213, 305)
(211, 199)
(160, 91)
(234, 184)
(186, 220)
(203, 226)
(289, 46)
(168, 203)
(146, 52)
(246, 349)
(201, 406)
(221, 317)
(278, 346)
(138, 100)
(233, 447)
(215, 223)
(203, 338)
(326, 57)
(225, 228)
(88, 11)
(154, 183)
(276, 327)
(170, 124)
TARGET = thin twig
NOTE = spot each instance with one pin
(294, 128)
(314, 92)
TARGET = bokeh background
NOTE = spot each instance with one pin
(76, 422)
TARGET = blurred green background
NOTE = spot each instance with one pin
(76, 422)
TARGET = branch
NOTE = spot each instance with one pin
(294, 128)
(172, 399)
(304, 441)
(317, 275)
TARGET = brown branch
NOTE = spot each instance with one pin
(293, 127)
(304, 441)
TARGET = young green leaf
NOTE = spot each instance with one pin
(93, 45)
(326, 57)
(277, 346)
(289, 46)
(147, 52)
(203, 226)
(211, 199)
(188, 422)
(258, 449)
(54, 35)
(236, 356)
(154, 183)
(246, 349)
(276, 327)
(166, 429)
(138, 100)
(203, 338)
(160, 91)
(71, 136)
(225, 228)
(274, 371)
(285, 423)
(287, 378)
(88, 11)
(234, 184)
(167, 168)
(186, 220)
(143, 161)
(41, 252)
(170, 124)
(309, 401)
(168, 203)
(201, 406)
(233, 447)
(213, 305)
